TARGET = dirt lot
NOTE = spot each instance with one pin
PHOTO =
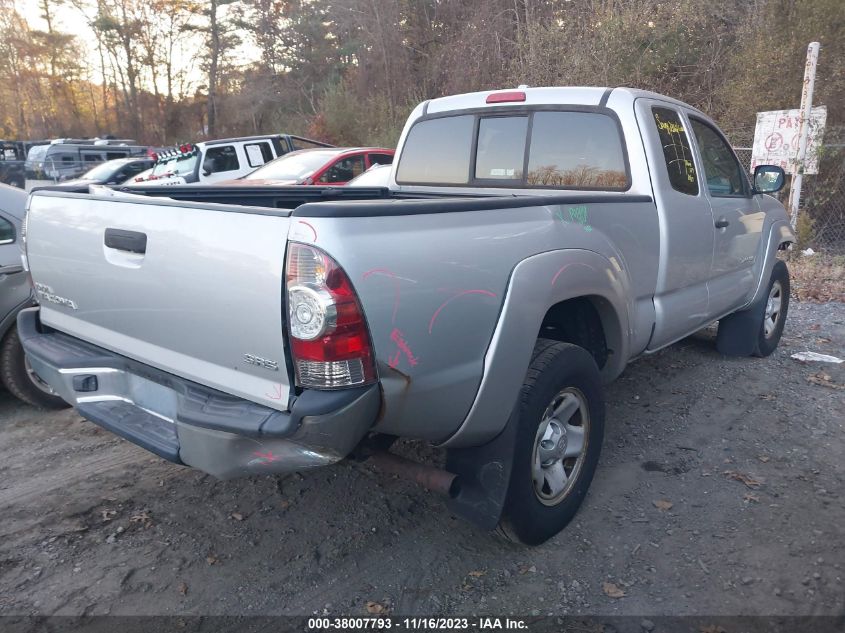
(748, 452)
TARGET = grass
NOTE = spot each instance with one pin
(818, 278)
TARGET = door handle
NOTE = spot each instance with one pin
(722, 222)
(10, 270)
(123, 240)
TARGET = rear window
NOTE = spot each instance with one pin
(570, 150)
(577, 150)
(501, 148)
(437, 151)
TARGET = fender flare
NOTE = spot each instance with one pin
(480, 453)
(780, 232)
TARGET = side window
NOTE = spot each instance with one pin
(676, 150)
(501, 148)
(580, 150)
(7, 231)
(258, 153)
(381, 159)
(721, 168)
(344, 170)
(219, 159)
(113, 155)
(133, 169)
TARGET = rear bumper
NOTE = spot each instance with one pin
(188, 423)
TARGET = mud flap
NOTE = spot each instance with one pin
(484, 473)
(738, 332)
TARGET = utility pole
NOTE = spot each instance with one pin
(803, 129)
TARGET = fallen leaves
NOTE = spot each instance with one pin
(663, 505)
(477, 573)
(108, 515)
(748, 480)
(376, 608)
(211, 559)
(824, 380)
(142, 518)
(749, 497)
(612, 590)
(237, 516)
(526, 569)
(763, 458)
(183, 589)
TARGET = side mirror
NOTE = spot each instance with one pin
(768, 179)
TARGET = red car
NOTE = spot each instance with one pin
(335, 166)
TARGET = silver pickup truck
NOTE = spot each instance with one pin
(531, 243)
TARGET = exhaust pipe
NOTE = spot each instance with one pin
(429, 477)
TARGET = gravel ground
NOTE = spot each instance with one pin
(720, 492)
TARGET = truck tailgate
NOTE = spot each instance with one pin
(192, 289)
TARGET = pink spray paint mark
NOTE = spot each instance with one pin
(462, 293)
(278, 394)
(396, 286)
(558, 273)
(402, 347)
(310, 227)
(268, 457)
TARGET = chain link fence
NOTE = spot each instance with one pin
(821, 216)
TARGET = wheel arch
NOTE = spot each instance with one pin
(560, 282)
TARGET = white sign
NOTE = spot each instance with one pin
(776, 139)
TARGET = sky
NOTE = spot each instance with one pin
(70, 20)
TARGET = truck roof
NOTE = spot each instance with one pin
(569, 95)
(258, 137)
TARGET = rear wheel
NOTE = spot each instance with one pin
(20, 379)
(559, 434)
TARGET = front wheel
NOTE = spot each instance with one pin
(21, 380)
(560, 426)
(774, 312)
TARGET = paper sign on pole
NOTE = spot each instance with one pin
(776, 139)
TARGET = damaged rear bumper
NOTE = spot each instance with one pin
(188, 423)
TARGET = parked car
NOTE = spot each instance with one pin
(375, 176)
(16, 294)
(12, 157)
(317, 166)
(66, 159)
(532, 242)
(114, 172)
(216, 161)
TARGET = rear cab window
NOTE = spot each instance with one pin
(258, 153)
(676, 150)
(545, 149)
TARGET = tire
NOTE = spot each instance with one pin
(540, 502)
(775, 304)
(20, 380)
(751, 332)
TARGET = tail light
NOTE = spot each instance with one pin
(329, 339)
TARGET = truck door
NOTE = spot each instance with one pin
(686, 223)
(737, 218)
(221, 162)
